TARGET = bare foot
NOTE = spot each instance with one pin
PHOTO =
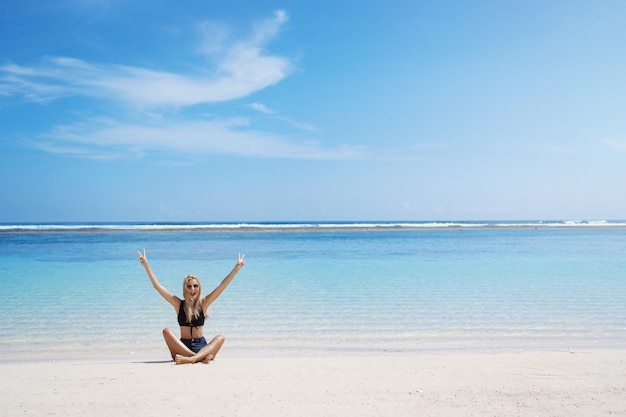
(180, 359)
(208, 359)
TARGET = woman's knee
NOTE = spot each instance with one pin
(168, 332)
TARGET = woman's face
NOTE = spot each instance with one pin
(193, 289)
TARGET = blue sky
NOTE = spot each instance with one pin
(329, 110)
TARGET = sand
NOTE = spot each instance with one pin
(579, 383)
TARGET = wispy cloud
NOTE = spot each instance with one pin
(615, 144)
(160, 124)
(262, 108)
(242, 67)
(104, 138)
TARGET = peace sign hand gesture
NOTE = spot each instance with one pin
(142, 257)
(240, 261)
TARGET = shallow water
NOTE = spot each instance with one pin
(71, 293)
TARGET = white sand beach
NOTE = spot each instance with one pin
(577, 383)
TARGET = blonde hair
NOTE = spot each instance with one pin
(192, 308)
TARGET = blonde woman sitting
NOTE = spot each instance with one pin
(192, 311)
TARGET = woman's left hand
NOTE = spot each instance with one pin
(142, 257)
(240, 260)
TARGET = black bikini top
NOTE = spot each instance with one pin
(196, 321)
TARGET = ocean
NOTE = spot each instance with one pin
(79, 291)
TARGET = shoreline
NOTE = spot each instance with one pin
(577, 383)
(249, 355)
(249, 351)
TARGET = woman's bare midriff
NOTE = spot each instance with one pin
(186, 332)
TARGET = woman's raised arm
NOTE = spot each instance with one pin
(206, 301)
(172, 299)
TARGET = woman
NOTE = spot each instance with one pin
(192, 310)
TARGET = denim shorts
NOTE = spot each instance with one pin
(194, 344)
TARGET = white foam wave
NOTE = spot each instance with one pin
(306, 225)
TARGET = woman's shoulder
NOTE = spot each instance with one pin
(176, 302)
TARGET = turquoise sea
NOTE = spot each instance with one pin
(78, 290)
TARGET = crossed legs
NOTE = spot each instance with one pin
(182, 354)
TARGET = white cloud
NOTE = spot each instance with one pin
(615, 144)
(107, 139)
(268, 29)
(262, 108)
(241, 67)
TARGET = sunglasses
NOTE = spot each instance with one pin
(190, 286)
